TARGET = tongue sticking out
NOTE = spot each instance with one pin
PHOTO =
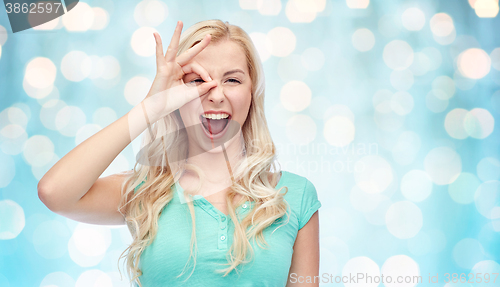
(214, 126)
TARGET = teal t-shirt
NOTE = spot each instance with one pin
(167, 255)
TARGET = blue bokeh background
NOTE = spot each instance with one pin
(390, 110)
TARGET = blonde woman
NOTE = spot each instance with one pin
(205, 203)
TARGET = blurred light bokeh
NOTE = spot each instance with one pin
(388, 107)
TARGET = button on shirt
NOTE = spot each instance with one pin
(167, 255)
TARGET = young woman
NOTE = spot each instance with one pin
(203, 204)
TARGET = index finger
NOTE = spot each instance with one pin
(193, 51)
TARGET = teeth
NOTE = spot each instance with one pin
(215, 116)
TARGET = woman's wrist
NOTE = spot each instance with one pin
(163, 103)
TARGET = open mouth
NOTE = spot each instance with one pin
(213, 126)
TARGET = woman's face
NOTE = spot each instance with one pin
(226, 64)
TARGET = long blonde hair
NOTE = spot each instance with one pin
(256, 181)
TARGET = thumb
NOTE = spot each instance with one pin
(206, 86)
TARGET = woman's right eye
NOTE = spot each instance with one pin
(196, 81)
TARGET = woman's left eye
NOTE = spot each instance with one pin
(234, 81)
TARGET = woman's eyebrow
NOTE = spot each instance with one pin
(233, 71)
(225, 74)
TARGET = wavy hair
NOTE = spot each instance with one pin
(256, 181)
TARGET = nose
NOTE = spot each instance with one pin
(216, 94)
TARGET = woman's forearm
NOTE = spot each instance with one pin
(74, 174)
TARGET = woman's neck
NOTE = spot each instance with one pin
(218, 164)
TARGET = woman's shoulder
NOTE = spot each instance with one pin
(301, 195)
(296, 181)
